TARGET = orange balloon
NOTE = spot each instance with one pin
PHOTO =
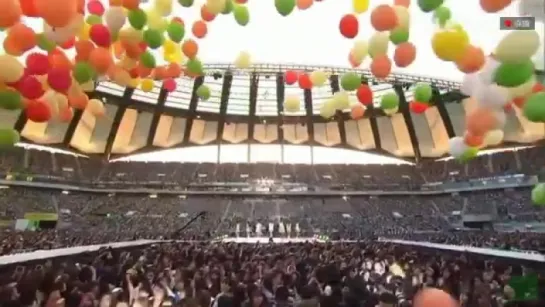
(199, 29)
(405, 3)
(131, 4)
(11, 47)
(493, 6)
(381, 66)
(174, 70)
(133, 51)
(357, 111)
(304, 4)
(404, 54)
(190, 48)
(471, 61)
(57, 59)
(116, 2)
(384, 18)
(432, 297)
(473, 140)
(24, 36)
(57, 13)
(81, 7)
(101, 59)
(83, 50)
(480, 121)
(28, 7)
(10, 13)
(66, 114)
(206, 15)
(78, 100)
(160, 73)
(143, 72)
(353, 61)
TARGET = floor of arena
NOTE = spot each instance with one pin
(267, 240)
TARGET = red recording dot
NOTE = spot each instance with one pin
(508, 23)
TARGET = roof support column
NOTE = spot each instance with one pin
(254, 84)
(124, 103)
(224, 100)
(404, 108)
(334, 82)
(192, 112)
(280, 90)
(159, 110)
(439, 103)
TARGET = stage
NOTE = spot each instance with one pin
(267, 240)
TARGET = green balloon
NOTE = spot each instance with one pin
(10, 100)
(442, 14)
(389, 101)
(44, 43)
(538, 194)
(534, 108)
(228, 8)
(83, 72)
(176, 31)
(194, 66)
(147, 60)
(242, 15)
(429, 5)
(9, 137)
(93, 20)
(284, 7)
(186, 3)
(399, 35)
(137, 18)
(422, 92)
(470, 154)
(203, 92)
(350, 81)
(153, 38)
(514, 74)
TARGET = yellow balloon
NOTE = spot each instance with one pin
(130, 35)
(156, 20)
(378, 44)
(134, 83)
(169, 46)
(243, 60)
(450, 44)
(318, 78)
(360, 6)
(84, 32)
(341, 100)
(215, 6)
(174, 57)
(403, 16)
(146, 85)
(292, 104)
(12, 70)
(360, 49)
(163, 7)
(327, 110)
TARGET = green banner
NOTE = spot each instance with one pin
(39, 216)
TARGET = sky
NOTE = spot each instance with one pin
(312, 37)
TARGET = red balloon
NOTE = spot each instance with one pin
(29, 8)
(59, 79)
(69, 44)
(30, 87)
(100, 35)
(304, 82)
(291, 77)
(349, 26)
(95, 7)
(365, 94)
(241, 1)
(38, 111)
(37, 64)
(418, 107)
(538, 87)
(169, 85)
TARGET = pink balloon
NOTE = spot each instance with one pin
(37, 64)
(95, 7)
(30, 88)
(100, 35)
(169, 85)
(304, 4)
(59, 79)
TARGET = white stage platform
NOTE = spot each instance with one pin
(266, 240)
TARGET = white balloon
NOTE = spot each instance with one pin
(327, 110)
(341, 100)
(493, 138)
(115, 18)
(488, 70)
(243, 60)
(360, 49)
(534, 8)
(292, 104)
(457, 146)
(492, 96)
(469, 84)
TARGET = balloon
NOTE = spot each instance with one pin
(390, 112)
(190, 48)
(534, 108)
(57, 13)
(538, 194)
(243, 60)
(489, 69)
(100, 35)
(480, 121)
(473, 140)
(360, 49)
(493, 138)
(341, 100)
(442, 15)
(147, 85)
(45, 43)
(357, 111)
(176, 31)
(327, 109)
(399, 35)
(186, 3)
(115, 18)
(404, 54)
(137, 18)
(404, 3)
(169, 85)
(147, 60)
(364, 94)
(284, 7)
(511, 75)
(384, 18)
(163, 7)
(457, 147)
(304, 81)
(429, 5)
(10, 100)
(83, 72)
(101, 59)
(23, 36)
(12, 70)
(350, 81)
(360, 6)
(153, 38)
(472, 60)
(318, 78)
(203, 92)
(493, 6)
(30, 87)
(59, 80)
(381, 66)
(228, 7)
(242, 15)
(38, 111)
(354, 60)
(389, 101)
(422, 92)
(349, 26)
(517, 46)
(304, 4)
(206, 15)
(37, 64)
(156, 20)
(450, 44)
(199, 29)
(378, 44)
(8, 137)
(418, 107)
(95, 7)
(217, 6)
(292, 104)
(403, 17)
(10, 13)
(291, 77)
(194, 67)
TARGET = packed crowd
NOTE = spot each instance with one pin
(42, 165)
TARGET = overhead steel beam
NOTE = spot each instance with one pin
(307, 96)
(334, 83)
(445, 117)
(159, 110)
(224, 101)
(280, 93)
(122, 107)
(404, 108)
(192, 112)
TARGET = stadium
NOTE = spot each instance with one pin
(152, 157)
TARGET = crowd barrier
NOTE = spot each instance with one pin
(44, 254)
